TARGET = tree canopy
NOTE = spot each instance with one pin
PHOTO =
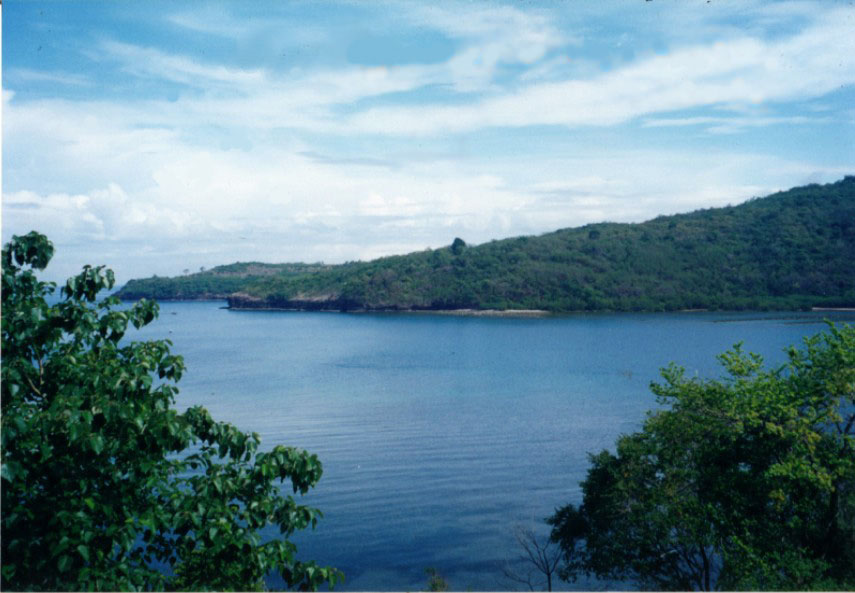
(747, 482)
(105, 486)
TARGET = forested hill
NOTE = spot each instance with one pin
(214, 284)
(791, 250)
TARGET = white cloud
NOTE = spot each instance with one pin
(810, 64)
(732, 125)
(157, 64)
(27, 75)
(213, 20)
(736, 72)
(102, 214)
(492, 36)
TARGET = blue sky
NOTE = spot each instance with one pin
(161, 136)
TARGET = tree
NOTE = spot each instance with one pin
(457, 246)
(744, 482)
(568, 531)
(538, 560)
(104, 484)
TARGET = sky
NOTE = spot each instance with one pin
(157, 137)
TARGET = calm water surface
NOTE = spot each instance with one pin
(438, 434)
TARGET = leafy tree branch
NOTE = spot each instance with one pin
(103, 481)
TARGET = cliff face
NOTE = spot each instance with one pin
(245, 301)
(242, 300)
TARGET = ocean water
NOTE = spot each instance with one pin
(440, 434)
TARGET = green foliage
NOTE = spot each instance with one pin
(742, 483)
(436, 582)
(569, 529)
(792, 250)
(102, 478)
(214, 284)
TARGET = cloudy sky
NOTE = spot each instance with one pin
(158, 136)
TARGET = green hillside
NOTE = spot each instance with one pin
(214, 284)
(790, 250)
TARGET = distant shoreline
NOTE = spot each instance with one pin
(486, 312)
(532, 313)
(482, 312)
(452, 312)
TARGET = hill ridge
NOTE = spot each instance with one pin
(790, 250)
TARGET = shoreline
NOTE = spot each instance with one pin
(450, 312)
(485, 312)
(469, 312)
(534, 313)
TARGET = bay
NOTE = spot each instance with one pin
(439, 434)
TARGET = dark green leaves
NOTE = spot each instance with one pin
(99, 480)
(64, 563)
(87, 284)
(33, 249)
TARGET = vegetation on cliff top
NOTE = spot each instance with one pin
(789, 250)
